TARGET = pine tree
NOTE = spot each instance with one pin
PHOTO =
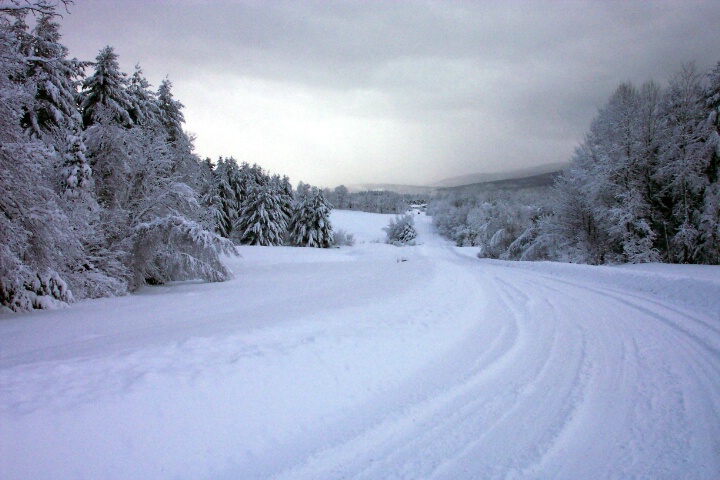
(209, 198)
(223, 198)
(144, 110)
(186, 165)
(55, 118)
(37, 243)
(310, 225)
(76, 174)
(97, 212)
(104, 96)
(285, 195)
(150, 206)
(101, 273)
(303, 190)
(170, 110)
(262, 220)
(55, 80)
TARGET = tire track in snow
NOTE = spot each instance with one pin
(651, 307)
(669, 367)
(536, 418)
(699, 356)
(578, 393)
(396, 440)
(574, 447)
(463, 429)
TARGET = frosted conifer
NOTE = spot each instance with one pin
(76, 172)
(310, 225)
(262, 220)
(223, 197)
(170, 110)
(144, 110)
(55, 79)
(106, 88)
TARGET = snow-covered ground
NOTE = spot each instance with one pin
(373, 361)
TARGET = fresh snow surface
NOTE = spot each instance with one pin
(373, 362)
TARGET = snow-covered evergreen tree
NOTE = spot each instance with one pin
(170, 110)
(105, 98)
(166, 240)
(145, 184)
(208, 195)
(99, 211)
(285, 191)
(37, 243)
(310, 224)
(144, 110)
(55, 80)
(76, 174)
(303, 190)
(248, 177)
(262, 219)
(223, 198)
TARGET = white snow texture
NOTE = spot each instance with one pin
(372, 362)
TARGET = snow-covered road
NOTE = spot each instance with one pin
(373, 362)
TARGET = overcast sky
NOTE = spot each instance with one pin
(399, 92)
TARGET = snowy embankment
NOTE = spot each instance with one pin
(373, 361)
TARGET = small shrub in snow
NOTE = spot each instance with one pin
(37, 290)
(401, 230)
(343, 239)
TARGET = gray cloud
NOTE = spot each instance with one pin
(450, 87)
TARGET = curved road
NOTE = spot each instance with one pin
(373, 362)
(558, 378)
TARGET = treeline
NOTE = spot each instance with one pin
(643, 186)
(373, 201)
(500, 223)
(250, 207)
(100, 191)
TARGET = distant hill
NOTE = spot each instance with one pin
(534, 177)
(401, 189)
(477, 178)
(536, 183)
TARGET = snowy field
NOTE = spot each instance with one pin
(373, 362)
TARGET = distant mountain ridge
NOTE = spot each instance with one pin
(537, 183)
(391, 187)
(540, 171)
(475, 178)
